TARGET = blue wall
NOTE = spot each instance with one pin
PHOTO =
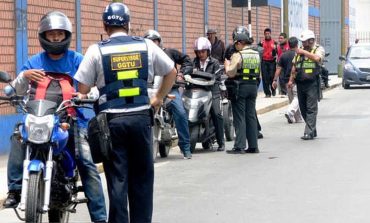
(7, 123)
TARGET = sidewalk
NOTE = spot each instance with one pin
(263, 105)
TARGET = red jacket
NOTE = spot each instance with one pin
(269, 49)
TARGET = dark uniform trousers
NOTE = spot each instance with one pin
(308, 98)
(268, 71)
(244, 112)
(130, 172)
(217, 120)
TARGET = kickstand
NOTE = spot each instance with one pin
(20, 218)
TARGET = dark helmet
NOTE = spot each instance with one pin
(55, 20)
(153, 35)
(116, 14)
(241, 33)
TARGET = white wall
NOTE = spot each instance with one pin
(362, 15)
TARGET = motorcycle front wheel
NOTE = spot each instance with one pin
(58, 216)
(156, 133)
(194, 133)
(35, 198)
(227, 115)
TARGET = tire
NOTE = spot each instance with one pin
(194, 132)
(34, 202)
(345, 85)
(164, 150)
(228, 121)
(58, 216)
(207, 145)
(156, 134)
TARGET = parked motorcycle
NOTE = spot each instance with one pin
(324, 76)
(197, 99)
(226, 110)
(164, 129)
(49, 183)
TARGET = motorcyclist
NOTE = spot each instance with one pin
(204, 62)
(55, 34)
(176, 105)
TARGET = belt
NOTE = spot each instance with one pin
(148, 112)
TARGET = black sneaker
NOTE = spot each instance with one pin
(14, 197)
(252, 150)
(221, 147)
(259, 135)
(235, 151)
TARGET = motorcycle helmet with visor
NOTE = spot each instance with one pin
(202, 43)
(55, 20)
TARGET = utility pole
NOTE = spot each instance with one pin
(286, 17)
(250, 17)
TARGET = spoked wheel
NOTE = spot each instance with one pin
(228, 121)
(58, 216)
(35, 196)
(156, 134)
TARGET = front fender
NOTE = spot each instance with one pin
(36, 166)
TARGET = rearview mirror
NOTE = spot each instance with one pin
(4, 77)
(342, 58)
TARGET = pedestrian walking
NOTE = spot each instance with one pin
(268, 65)
(243, 71)
(282, 73)
(121, 68)
(306, 74)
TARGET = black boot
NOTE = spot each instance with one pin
(14, 197)
(221, 147)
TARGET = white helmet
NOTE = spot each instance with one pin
(306, 35)
(202, 43)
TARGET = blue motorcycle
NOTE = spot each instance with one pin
(50, 175)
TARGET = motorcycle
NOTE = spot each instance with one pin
(49, 183)
(226, 110)
(324, 76)
(197, 98)
(164, 129)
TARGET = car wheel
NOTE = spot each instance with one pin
(345, 85)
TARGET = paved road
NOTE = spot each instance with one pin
(321, 181)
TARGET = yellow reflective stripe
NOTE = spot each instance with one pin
(129, 92)
(127, 48)
(129, 74)
(249, 78)
(256, 71)
(308, 71)
(246, 71)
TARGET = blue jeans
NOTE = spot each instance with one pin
(89, 175)
(181, 121)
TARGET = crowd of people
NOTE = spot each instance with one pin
(128, 109)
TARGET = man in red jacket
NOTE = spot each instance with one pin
(268, 65)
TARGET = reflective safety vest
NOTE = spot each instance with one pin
(251, 64)
(54, 87)
(307, 69)
(125, 64)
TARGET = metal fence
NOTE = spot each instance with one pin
(363, 37)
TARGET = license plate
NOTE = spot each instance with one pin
(368, 78)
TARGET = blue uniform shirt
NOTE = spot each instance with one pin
(68, 64)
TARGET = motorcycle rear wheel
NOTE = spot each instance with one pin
(228, 121)
(156, 134)
(35, 198)
(164, 150)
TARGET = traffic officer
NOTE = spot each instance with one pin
(121, 67)
(305, 73)
(176, 105)
(243, 71)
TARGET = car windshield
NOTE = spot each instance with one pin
(359, 52)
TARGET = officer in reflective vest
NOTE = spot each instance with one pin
(305, 73)
(243, 70)
(121, 67)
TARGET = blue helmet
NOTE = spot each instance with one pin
(116, 14)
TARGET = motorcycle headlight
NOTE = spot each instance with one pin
(39, 129)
